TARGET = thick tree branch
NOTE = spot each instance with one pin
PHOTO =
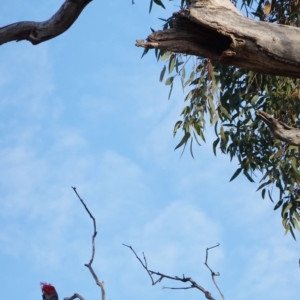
(215, 29)
(280, 130)
(38, 32)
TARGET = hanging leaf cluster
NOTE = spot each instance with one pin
(228, 97)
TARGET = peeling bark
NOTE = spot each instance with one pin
(216, 29)
(280, 130)
(38, 32)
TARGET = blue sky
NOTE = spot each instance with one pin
(84, 110)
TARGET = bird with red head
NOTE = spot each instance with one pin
(49, 292)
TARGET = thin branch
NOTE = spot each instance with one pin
(161, 276)
(94, 223)
(213, 274)
(89, 265)
(177, 288)
(38, 32)
(143, 264)
(206, 258)
(75, 296)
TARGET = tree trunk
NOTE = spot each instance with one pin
(216, 29)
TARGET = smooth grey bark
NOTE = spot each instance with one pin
(216, 29)
(38, 32)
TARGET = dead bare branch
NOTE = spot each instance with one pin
(161, 276)
(38, 32)
(213, 274)
(89, 265)
(75, 296)
(177, 288)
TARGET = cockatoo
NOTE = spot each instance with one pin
(49, 292)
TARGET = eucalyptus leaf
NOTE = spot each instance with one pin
(162, 74)
(236, 174)
(278, 204)
(183, 140)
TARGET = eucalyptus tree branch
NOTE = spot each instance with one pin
(280, 130)
(75, 296)
(216, 29)
(38, 32)
(213, 274)
(89, 265)
(161, 276)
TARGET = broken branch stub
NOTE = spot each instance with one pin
(216, 29)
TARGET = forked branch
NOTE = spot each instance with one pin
(161, 276)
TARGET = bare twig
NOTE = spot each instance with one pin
(213, 274)
(161, 276)
(89, 265)
(178, 288)
(75, 296)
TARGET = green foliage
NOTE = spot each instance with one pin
(227, 98)
(158, 2)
